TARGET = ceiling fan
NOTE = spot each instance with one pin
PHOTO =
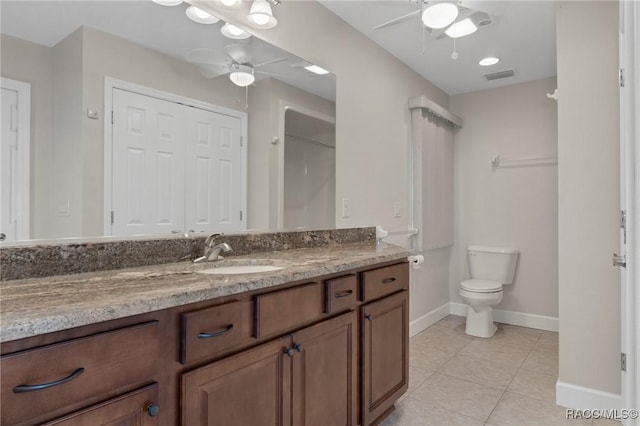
(237, 61)
(454, 19)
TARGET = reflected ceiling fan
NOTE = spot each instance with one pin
(454, 19)
(237, 61)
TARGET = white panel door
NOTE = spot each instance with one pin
(148, 175)
(214, 172)
(14, 160)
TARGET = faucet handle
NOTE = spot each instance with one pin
(210, 239)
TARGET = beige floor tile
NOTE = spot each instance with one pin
(427, 356)
(446, 339)
(505, 354)
(522, 337)
(417, 376)
(542, 360)
(413, 412)
(516, 409)
(460, 396)
(455, 322)
(535, 385)
(548, 341)
(480, 371)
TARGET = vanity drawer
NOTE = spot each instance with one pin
(382, 281)
(340, 293)
(52, 380)
(284, 310)
(213, 331)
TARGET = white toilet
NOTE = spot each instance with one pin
(490, 268)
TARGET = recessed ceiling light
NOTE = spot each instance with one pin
(231, 31)
(461, 29)
(200, 16)
(485, 62)
(168, 2)
(316, 70)
(440, 15)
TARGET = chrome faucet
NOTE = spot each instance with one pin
(212, 250)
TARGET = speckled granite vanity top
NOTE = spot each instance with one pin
(35, 306)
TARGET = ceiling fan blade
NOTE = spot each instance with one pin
(205, 56)
(212, 71)
(397, 20)
(273, 61)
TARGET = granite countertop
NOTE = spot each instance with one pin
(30, 307)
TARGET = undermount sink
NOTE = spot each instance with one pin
(242, 266)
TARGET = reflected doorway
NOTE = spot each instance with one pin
(309, 172)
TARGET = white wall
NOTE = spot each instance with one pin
(588, 194)
(372, 122)
(509, 207)
(32, 63)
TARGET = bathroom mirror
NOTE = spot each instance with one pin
(69, 65)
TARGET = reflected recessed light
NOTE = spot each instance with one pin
(461, 29)
(168, 2)
(316, 70)
(485, 62)
(440, 15)
(231, 31)
(200, 16)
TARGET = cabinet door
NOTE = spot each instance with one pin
(248, 389)
(324, 373)
(385, 354)
(133, 409)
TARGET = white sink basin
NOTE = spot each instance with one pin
(246, 269)
(242, 266)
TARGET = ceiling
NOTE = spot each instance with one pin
(161, 28)
(523, 38)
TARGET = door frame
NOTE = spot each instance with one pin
(277, 196)
(23, 198)
(630, 199)
(110, 84)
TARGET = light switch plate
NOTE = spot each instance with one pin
(346, 208)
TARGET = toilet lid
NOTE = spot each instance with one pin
(481, 286)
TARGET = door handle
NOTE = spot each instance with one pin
(619, 260)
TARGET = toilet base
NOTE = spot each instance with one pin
(480, 324)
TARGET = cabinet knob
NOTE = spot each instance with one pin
(298, 347)
(369, 317)
(153, 409)
(290, 352)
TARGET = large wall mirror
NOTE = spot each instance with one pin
(124, 118)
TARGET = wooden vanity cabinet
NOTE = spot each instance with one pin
(384, 325)
(307, 378)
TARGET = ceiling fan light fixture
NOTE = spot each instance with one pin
(231, 31)
(167, 2)
(242, 75)
(230, 3)
(261, 16)
(461, 29)
(440, 15)
(200, 16)
(490, 60)
(316, 70)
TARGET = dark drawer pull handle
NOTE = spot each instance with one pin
(343, 294)
(388, 280)
(215, 333)
(31, 388)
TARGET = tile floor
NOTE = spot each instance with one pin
(508, 379)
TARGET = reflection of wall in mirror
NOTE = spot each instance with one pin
(67, 191)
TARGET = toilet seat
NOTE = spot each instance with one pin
(481, 286)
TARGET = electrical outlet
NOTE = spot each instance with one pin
(346, 209)
(396, 209)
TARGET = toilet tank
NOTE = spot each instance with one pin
(492, 263)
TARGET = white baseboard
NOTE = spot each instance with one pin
(581, 398)
(540, 322)
(428, 319)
